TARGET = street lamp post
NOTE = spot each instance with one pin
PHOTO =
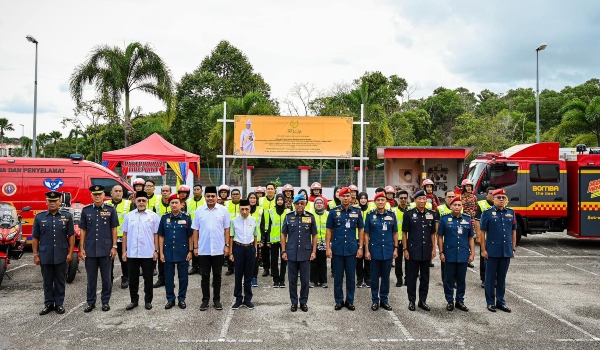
(33, 141)
(537, 91)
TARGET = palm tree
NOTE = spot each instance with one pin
(26, 147)
(116, 73)
(581, 119)
(55, 136)
(74, 134)
(42, 141)
(5, 125)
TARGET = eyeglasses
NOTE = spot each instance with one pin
(403, 198)
(502, 198)
(149, 185)
(235, 194)
(141, 200)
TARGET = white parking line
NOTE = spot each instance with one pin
(579, 268)
(400, 326)
(220, 341)
(533, 251)
(18, 267)
(225, 327)
(394, 340)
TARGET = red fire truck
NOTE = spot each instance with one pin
(548, 192)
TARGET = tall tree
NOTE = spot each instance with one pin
(116, 73)
(5, 126)
(55, 136)
(41, 142)
(581, 119)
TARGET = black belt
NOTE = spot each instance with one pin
(244, 245)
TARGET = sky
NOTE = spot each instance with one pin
(431, 43)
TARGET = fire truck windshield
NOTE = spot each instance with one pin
(475, 171)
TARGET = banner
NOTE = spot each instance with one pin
(277, 136)
(143, 167)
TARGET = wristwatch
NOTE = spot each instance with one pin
(114, 246)
(191, 251)
(156, 251)
(395, 247)
(404, 249)
(227, 244)
(283, 252)
(441, 253)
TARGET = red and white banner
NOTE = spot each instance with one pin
(143, 167)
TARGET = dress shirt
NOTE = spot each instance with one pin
(211, 225)
(244, 230)
(140, 228)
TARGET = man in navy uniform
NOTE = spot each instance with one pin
(175, 236)
(498, 243)
(381, 247)
(342, 247)
(299, 226)
(482, 206)
(52, 245)
(456, 244)
(98, 245)
(418, 244)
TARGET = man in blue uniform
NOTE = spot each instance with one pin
(381, 247)
(482, 206)
(418, 244)
(52, 245)
(98, 245)
(175, 237)
(498, 243)
(299, 237)
(456, 244)
(342, 247)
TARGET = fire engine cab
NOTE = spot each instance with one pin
(547, 191)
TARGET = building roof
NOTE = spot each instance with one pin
(404, 152)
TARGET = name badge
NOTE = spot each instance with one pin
(464, 222)
(353, 215)
(387, 218)
(181, 222)
(384, 227)
(347, 224)
(508, 215)
(460, 230)
(428, 216)
(449, 219)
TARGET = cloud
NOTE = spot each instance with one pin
(21, 105)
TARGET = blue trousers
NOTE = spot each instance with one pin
(495, 273)
(54, 277)
(92, 265)
(243, 266)
(344, 265)
(293, 268)
(455, 272)
(182, 274)
(380, 271)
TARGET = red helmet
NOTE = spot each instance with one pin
(224, 188)
(353, 188)
(260, 189)
(287, 187)
(427, 182)
(139, 181)
(184, 188)
(466, 182)
(390, 189)
(315, 186)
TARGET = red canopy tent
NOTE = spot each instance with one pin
(155, 148)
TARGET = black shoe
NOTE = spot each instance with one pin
(169, 304)
(46, 310)
(275, 284)
(60, 310)
(338, 306)
(399, 284)
(431, 264)
(411, 305)
(491, 308)
(375, 306)
(359, 285)
(304, 307)
(154, 273)
(350, 307)
(281, 284)
(131, 306)
(424, 306)
(482, 284)
(204, 306)
(311, 285)
(386, 306)
(148, 306)
(324, 285)
(89, 308)
(461, 306)
(471, 265)
(159, 283)
(249, 305)
(124, 282)
(265, 273)
(503, 308)
(194, 270)
(217, 304)
(105, 307)
(236, 305)
(229, 272)
(294, 307)
(182, 305)
(450, 306)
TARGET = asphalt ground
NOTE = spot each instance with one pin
(553, 288)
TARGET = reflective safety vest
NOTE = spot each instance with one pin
(373, 206)
(414, 205)
(160, 208)
(399, 218)
(122, 210)
(443, 210)
(310, 207)
(267, 206)
(232, 208)
(364, 216)
(193, 204)
(276, 224)
(321, 221)
(484, 205)
(152, 202)
(258, 214)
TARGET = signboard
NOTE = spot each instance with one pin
(143, 167)
(278, 136)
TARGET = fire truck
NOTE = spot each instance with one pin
(549, 191)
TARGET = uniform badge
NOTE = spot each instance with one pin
(508, 215)
(306, 220)
(168, 221)
(494, 213)
(450, 219)
(181, 222)
(339, 213)
(387, 218)
(353, 215)
(415, 215)
(428, 216)
(464, 222)
(374, 217)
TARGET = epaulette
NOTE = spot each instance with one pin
(43, 211)
(488, 208)
(167, 213)
(89, 205)
(109, 204)
(184, 213)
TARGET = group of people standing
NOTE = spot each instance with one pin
(285, 233)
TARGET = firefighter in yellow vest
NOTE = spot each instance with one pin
(373, 206)
(152, 198)
(260, 191)
(277, 218)
(223, 197)
(192, 204)
(400, 209)
(482, 206)
(318, 266)
(122, 207)
(233, 207)
(288, 196)
(267, 203)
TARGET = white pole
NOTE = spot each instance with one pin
(336, 172)
(224, 143)
(362, 126)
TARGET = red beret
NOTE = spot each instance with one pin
(379, 195)
(343, 191)
(498, 192)
(174, 196)
(455, 199)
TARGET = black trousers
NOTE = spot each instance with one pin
(256, 263)
(293, 268)
(266, 256)
(398, 266)
(194, 262)
(124, 270)
(229, 263)
(277, 270)
(318, 268)
(413, 269)
(92, 265)
(208, 264)
(482, 262)
(363, 270)
(161, 269)
(54, 277)
(244, 259)
(134, 265)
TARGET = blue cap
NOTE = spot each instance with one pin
(299, 197)
(419, 193)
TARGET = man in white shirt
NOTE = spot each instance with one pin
(211, 232)
(140, 248)
(243, 241)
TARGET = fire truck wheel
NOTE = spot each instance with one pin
(2, 269)
(72, 268)
(519, 233)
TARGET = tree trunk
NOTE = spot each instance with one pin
(127, 119)
(244, 179)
